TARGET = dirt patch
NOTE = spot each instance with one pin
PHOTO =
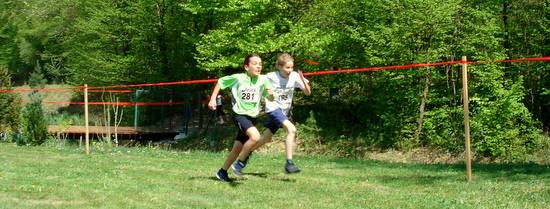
(419, 155)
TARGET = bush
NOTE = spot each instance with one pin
(9, 106)
(35, 128)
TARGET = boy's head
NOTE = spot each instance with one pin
(253, 65)
(285, 64)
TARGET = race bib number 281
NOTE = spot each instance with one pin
(249, 95)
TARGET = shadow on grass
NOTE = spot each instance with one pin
(234, 183)
(284, 179)
(432, 173)
(272, 177)
(490, 170)
(239, 180)
(261, 175)
(414, 179)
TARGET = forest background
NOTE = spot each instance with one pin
(117, 42)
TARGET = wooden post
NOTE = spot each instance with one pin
(87, 135)
(465, 102)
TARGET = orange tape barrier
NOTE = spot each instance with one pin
(354, 70)
(116, 103)
(66, 90)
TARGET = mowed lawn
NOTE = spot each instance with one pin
(50, 177)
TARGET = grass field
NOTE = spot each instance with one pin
(64, 177)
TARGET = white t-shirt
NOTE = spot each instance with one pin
(283, 90)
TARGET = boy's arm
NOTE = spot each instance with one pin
(268, 91)
(212, 104)
(307, 88)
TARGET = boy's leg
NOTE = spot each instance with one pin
(290, 138)
(273, 123)
(248, 135)
(253, 138)
(290, 167)
(233, 154)
(265, 138)
(240, 164)
(237, 147)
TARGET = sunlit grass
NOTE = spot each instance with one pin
(64, 177)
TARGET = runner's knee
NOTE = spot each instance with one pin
(254, 137)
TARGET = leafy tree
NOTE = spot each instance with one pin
(8, 32)
(387, 105)
(35, 128)
(526, 34)
(374, 33)
(117, 42)
(240, 28)
(125, 41)
(33, 33)
(9, 104)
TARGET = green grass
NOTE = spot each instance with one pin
(53, 177)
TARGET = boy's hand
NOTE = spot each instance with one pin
(270, 96)
(212, 104)
(307, 88)
(301, 74)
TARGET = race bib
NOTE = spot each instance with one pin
(283, 95)
(249, 95)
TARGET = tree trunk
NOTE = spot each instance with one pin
(163, 49)
(506, 43)
(422, 108)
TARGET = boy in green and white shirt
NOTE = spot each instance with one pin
(283, 81)
(247, 92)
(247, 89)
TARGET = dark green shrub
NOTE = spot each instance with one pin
(9, 106)
(35, 128)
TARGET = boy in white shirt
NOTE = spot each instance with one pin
(283, 81)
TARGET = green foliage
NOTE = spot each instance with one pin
(35, 127)
(10, 105)
(526, 28)
(382, 105)
(33, 34)
(117, 42)
(443, 129)
(259, 26)
(504, 128)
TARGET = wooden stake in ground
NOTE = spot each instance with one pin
(86, 119)
(465, 101)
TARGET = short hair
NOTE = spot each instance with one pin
(283, 59)
(247, 58)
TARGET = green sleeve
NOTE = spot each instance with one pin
(228, 81)
(267, 85)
